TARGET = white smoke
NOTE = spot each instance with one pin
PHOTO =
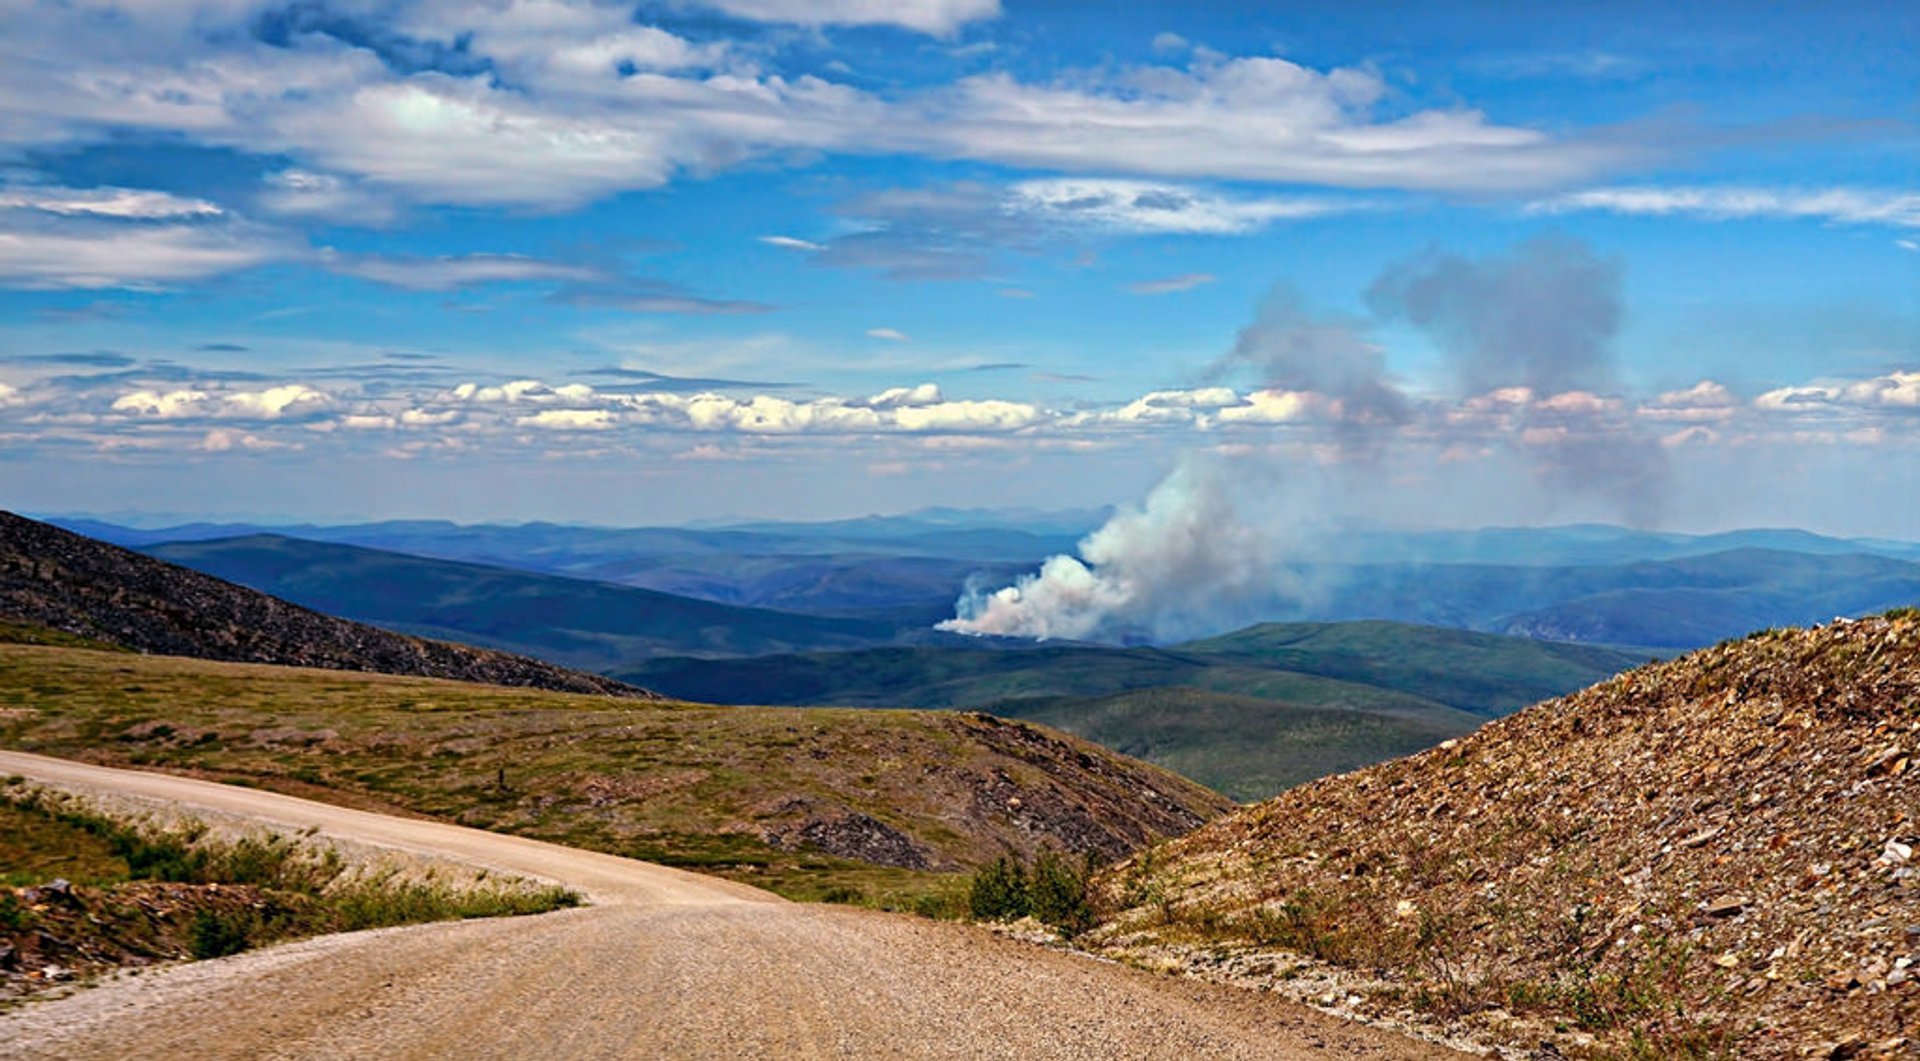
(1193, 558)
(1178, 565)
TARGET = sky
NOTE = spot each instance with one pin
(1447, 264)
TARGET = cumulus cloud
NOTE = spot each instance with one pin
(1846, 206)
(273, 403)
(1894, 391)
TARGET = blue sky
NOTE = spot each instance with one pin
(604, 262)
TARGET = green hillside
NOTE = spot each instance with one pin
(1248, 713)
(1245, 747)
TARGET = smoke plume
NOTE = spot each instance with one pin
(1288, 349)
(1542, 317)
(1178, 565)
(1528, 339)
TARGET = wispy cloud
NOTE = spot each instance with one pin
(1168, 285)
(447, 272)
(790, 243)
(127, 204)
(892, 335)
(1846, 206)
(87, 252)
(937, 17)
(1158, 207)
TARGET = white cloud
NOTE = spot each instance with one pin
(1168, 285)
(935, 17)
(579, 102)
(1706, 400)
(790, 243)
(1273, 407)
(897, 397)
(88, 253)
(1256, 118)
(570, 419)
(892, 335)
(1156, 207)
(302, 193)
(1848, 206)
(273, 403)
(461, 270)
(127, 204)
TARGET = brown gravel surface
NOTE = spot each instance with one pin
(1709, 857)
(665, 964)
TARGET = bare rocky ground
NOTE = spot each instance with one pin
(1711, 857)
(664, 963)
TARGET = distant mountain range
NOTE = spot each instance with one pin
(1589, 583)
(1389, 657)
(596, 625)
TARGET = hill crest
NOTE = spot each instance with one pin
(55, 578)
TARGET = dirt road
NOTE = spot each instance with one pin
(663, 964)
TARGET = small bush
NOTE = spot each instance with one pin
(215, 934)
(999, 891)
(12, 914)
(1057, 892)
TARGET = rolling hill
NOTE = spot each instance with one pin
(1707, 857)
(54, 579)
(1248, 713)
(807, 801)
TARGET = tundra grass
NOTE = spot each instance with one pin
(697, 786)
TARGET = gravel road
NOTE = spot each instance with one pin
(662, 964)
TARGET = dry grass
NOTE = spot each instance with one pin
(718, 789)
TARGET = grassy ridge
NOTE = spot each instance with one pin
(804, 801)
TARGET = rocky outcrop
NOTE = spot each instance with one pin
(53, 578)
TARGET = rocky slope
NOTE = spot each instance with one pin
(1713, 856)
(53, 578)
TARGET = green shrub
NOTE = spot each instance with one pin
(998, 891)
(215, 934)
(1057, 893)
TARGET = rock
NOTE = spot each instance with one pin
(1725, 907)
(1895, 853)
(9, 957)
(56, 973)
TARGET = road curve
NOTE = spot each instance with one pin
(663, 964)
